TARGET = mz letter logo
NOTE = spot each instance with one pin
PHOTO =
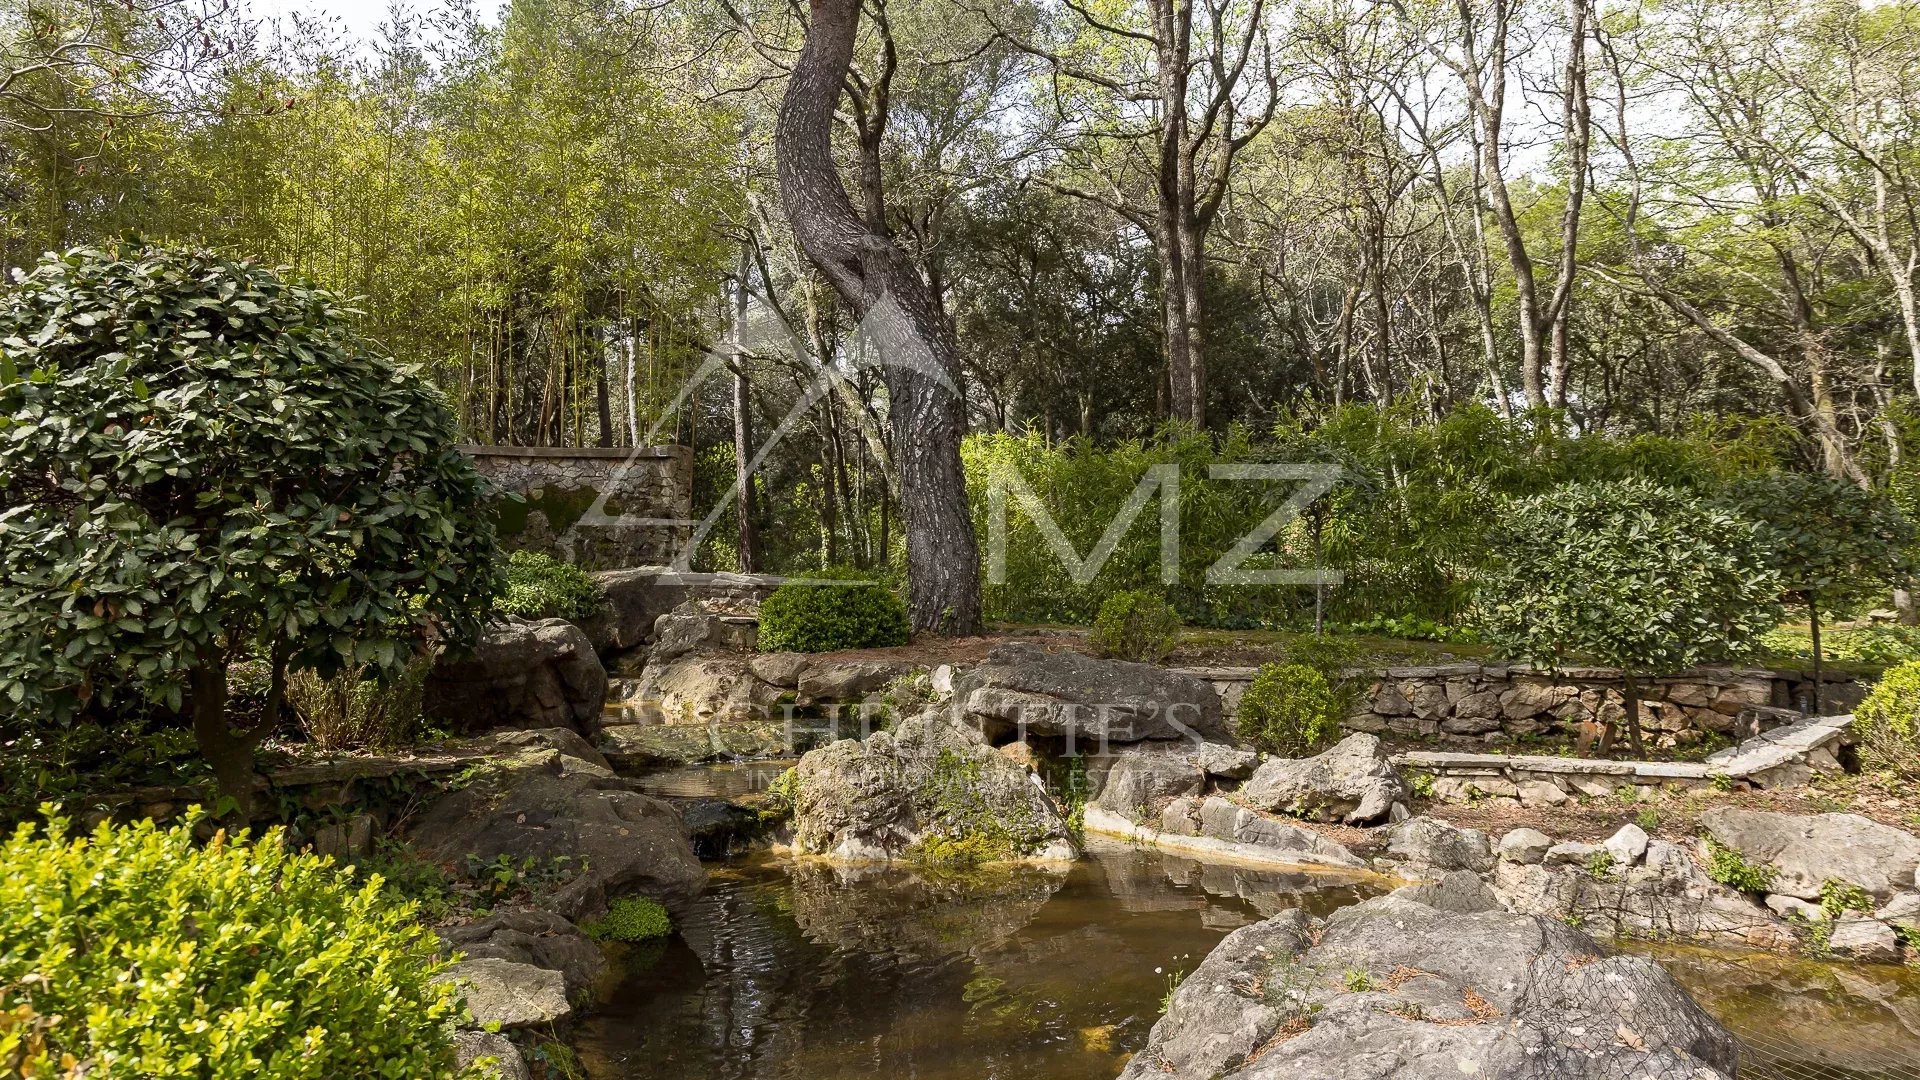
(1231, 568)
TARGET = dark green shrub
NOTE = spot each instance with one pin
(542, 587)
(1137, 626)
(1289, 710)
(630, 918)
(359, 710)
(199, 460)
(824, 614)
(1887, 722)
(139, 952)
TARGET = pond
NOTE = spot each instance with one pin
(799, 970)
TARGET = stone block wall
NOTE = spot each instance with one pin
(1498, 703)
(644, 520)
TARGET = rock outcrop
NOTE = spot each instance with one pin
(1429, 845)
(539, 938)
(1217, 818)
(505, 996)
(1807, 851)
(931, 789)
(637, 597)
(1137, 781)
(1352, 783)
(1394, 987)
(1026, 688)
(591, 834)
(519, 675)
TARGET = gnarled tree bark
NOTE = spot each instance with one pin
(900, 313)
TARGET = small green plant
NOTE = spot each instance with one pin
(1600, 863)
(556, 1061)
(1722, 782)
(1730, 868)
(1289, 710)
(1357, 981)
(782, 794)
(542, 587)
(1422, 784)
(1174, 979)
(1839, 897)
(1137, 626)
(1648, 819)
(406, 878)
(360, 710)
(166, 956)
(824, 615)
(630, 918)
(1887, 723)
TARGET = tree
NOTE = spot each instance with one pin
(200, 462)
(1626, 573)
(902, 315)
(1831, 541)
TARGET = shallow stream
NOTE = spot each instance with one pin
(799, 970)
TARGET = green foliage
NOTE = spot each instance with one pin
(1839, 897)
(356, 710)
(1730, 868)
(1828, 538)
(1422, 784)
(1289, 710)
(1878, 644)
(1648, 819)
(1357, 981)
(970, 831)
(809, 615)
(1136, 625)
(139, 952)
(1886, 724)
(1600, 863)
(200, 459)
(630, 918)
(542, 587)
(1628, 574)
(781, 794)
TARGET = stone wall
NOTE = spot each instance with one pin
(1499, 703)
(648, 493)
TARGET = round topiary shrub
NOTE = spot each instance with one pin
(1887, 722)
(542, 587)
(1290, 710)
(1137, 626)
(826, 613)
(135, 951)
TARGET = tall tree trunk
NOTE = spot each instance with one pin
(749, 541)
(895, 306)
(230, 756)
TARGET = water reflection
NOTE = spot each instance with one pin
(805, 971)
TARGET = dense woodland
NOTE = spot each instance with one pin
(1271, 222)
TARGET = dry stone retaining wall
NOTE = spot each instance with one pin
(648, 489)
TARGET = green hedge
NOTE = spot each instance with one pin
(1887, 722)
(1291, 710)
(137, 951)
(1137, 626)
(831, 610)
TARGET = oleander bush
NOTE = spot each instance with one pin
(139, 951)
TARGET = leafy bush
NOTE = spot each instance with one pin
(826, 614)
(200, 460)
(1648, 579)
(1839, 897)
(1137, 626)
(358, 710)
(542, 587)
(1730, 868)
(135, 951)
(1887, 722)
(1289, 710)
(630, 918)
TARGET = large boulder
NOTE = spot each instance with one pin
(1217, 818)
(1394, 987)
(1137, 780)
(1353, 783)
(519, 675)
(1807, 851)
(472, 1047)
(929, 789)
(505, 996)
(1023, 687)
(1433, 846)
(638, 596)
(592, 834)
(539, 938)
(1664, 895)
(692, 628)
(701, 687)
